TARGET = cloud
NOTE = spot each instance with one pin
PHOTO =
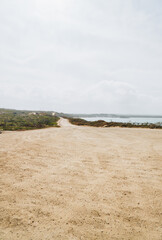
(76, 56)
(115, 97)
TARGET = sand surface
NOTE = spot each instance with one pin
(81, 183)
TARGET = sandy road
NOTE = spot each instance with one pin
(65, 123)
(81, 183)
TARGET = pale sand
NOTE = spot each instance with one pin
(81, 183)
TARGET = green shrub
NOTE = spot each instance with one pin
(101, 123)
(23, 121)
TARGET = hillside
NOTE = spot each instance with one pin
(26, 120)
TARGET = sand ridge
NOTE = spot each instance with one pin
(81, 183)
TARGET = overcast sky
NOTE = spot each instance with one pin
(81, 56)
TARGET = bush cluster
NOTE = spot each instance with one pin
(101, 123)
(14, 121)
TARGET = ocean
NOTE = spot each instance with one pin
(126, 120)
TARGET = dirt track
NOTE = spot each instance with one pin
(81, 183)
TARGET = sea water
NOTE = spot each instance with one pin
(139, 120)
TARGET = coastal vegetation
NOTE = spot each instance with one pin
(12, 120)
(25, 120)
(101, 123)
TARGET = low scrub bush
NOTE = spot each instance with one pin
(101, 123)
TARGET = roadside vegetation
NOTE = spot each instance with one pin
(101, 123)
(19, 120)
(12, 120)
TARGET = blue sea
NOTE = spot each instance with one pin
(126, 120)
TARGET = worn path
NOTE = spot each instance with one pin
(81, 183)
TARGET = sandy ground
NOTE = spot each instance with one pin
(81, 183)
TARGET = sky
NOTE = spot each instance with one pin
(81, 56)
